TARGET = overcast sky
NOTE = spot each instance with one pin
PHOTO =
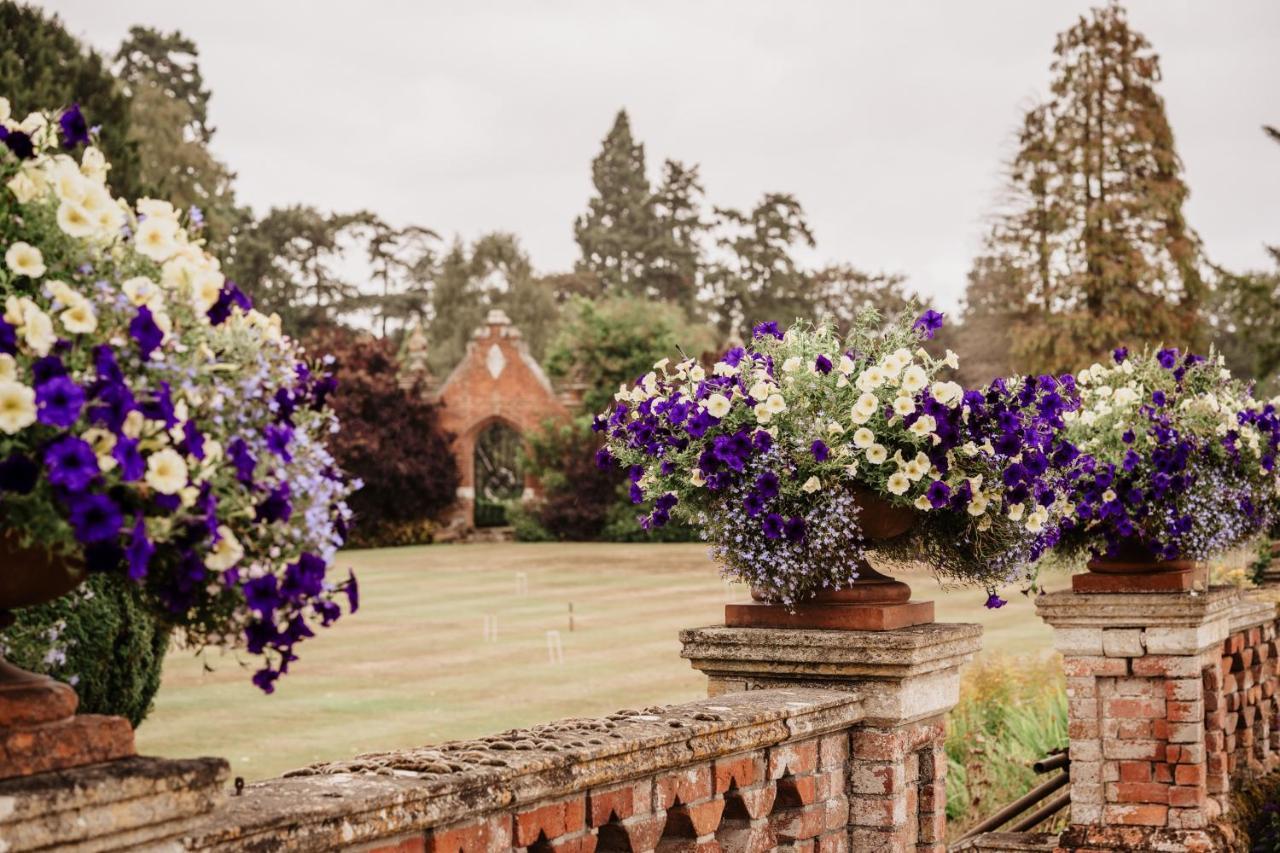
(889, 120)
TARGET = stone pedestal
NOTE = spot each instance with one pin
(40, 730)
(908, 679)
(1145, 694)
(130, 804)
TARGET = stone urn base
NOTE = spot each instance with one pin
(1135, 569)
(39, 729)
(873, 602)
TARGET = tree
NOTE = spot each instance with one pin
(170, 126)
(616, 340)
(1095, 231)
(757, 276)
(494, 273)
(391, 438)
(42, 67)
(171, 61)
(675, 258)
(294, 262)
(618, 229)
(404, 267)
(1245, 316)
(993, 307)
(839, 292)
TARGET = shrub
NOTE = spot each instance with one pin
(1011, 714)
(101, 640)
(391, 439)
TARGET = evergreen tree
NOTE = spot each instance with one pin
(170, 126)
(42, 67)
(840, 291)
(495, 273)
(757, 277)
(676, 254)
(403, 262)
(1096, 232)
(618, 229)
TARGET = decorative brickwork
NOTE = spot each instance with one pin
(1169, 695)
(497, 382)
(770, 770)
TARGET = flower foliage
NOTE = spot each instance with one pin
(151, 422)
(1179, 459)
(770, 449)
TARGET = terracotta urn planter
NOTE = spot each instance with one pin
(1135, 569)
(38, 727)
(873, 602)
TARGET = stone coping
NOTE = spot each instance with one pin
(1066, 609)
(380, 795)
(892, 655)
(1251, 612)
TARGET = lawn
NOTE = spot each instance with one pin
(414, 665)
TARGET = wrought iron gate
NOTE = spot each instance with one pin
(497, 470)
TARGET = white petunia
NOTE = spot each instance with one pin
(79, 318)
(791, 365)
(718, 405)
(166, 471)
(877, 454)
(863, 438)
(978, 504)
(898, 484)
(760, 391)
(226, 553)
(903, 405)
(1015, 512)
(37, 330)
(952, 360)
(924, 425)
(17, 407)
(776, 404)
(24, 259)
(914, 379)
(870, 379)
(922, 504)
(947, 393)
(763, 415)
(811, 485)
(8, 368)
(143, 291)
(156, 238)
(846, 365)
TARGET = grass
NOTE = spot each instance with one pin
(1012, 712)
(413, 666)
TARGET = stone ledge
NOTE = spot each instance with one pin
(1066, 609)
(383, 795)
(1008, 842)
(898, 654)
(1251, 612)
(117, 805)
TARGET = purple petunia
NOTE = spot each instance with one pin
(75, 130)
(994, 602)
(1168, 358)
(71, 463)
(928, 323)
(1120, 354)
(95, 518)
(938, 493)
(820, 450)
(140, 551)
(18, 474)
(59, 401)
(772, 526)
(145, 333)
(822, 364)
(769, 328)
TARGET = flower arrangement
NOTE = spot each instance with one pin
(777, 449)
(151, 421)
(1179, 461)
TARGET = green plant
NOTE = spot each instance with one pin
(1012, 712)
(101, 640)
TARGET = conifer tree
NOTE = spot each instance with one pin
(618, 229)
(1095, 232)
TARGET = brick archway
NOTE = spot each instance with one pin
(497, 382)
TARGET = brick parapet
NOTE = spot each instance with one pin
(760, 771)
(1150, 679)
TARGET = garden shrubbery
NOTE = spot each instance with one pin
(391, 440)
(1011, 714)
(101, 640)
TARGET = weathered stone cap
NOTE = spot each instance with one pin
(902, 653)
(1137, 610)
(379, 795)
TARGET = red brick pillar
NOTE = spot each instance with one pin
(1143, 691)
(895, 778)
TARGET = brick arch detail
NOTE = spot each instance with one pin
(497, 381)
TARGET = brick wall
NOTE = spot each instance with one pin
(1169, 697)
(785, 769)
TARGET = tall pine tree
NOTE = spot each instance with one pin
(1096, 233)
